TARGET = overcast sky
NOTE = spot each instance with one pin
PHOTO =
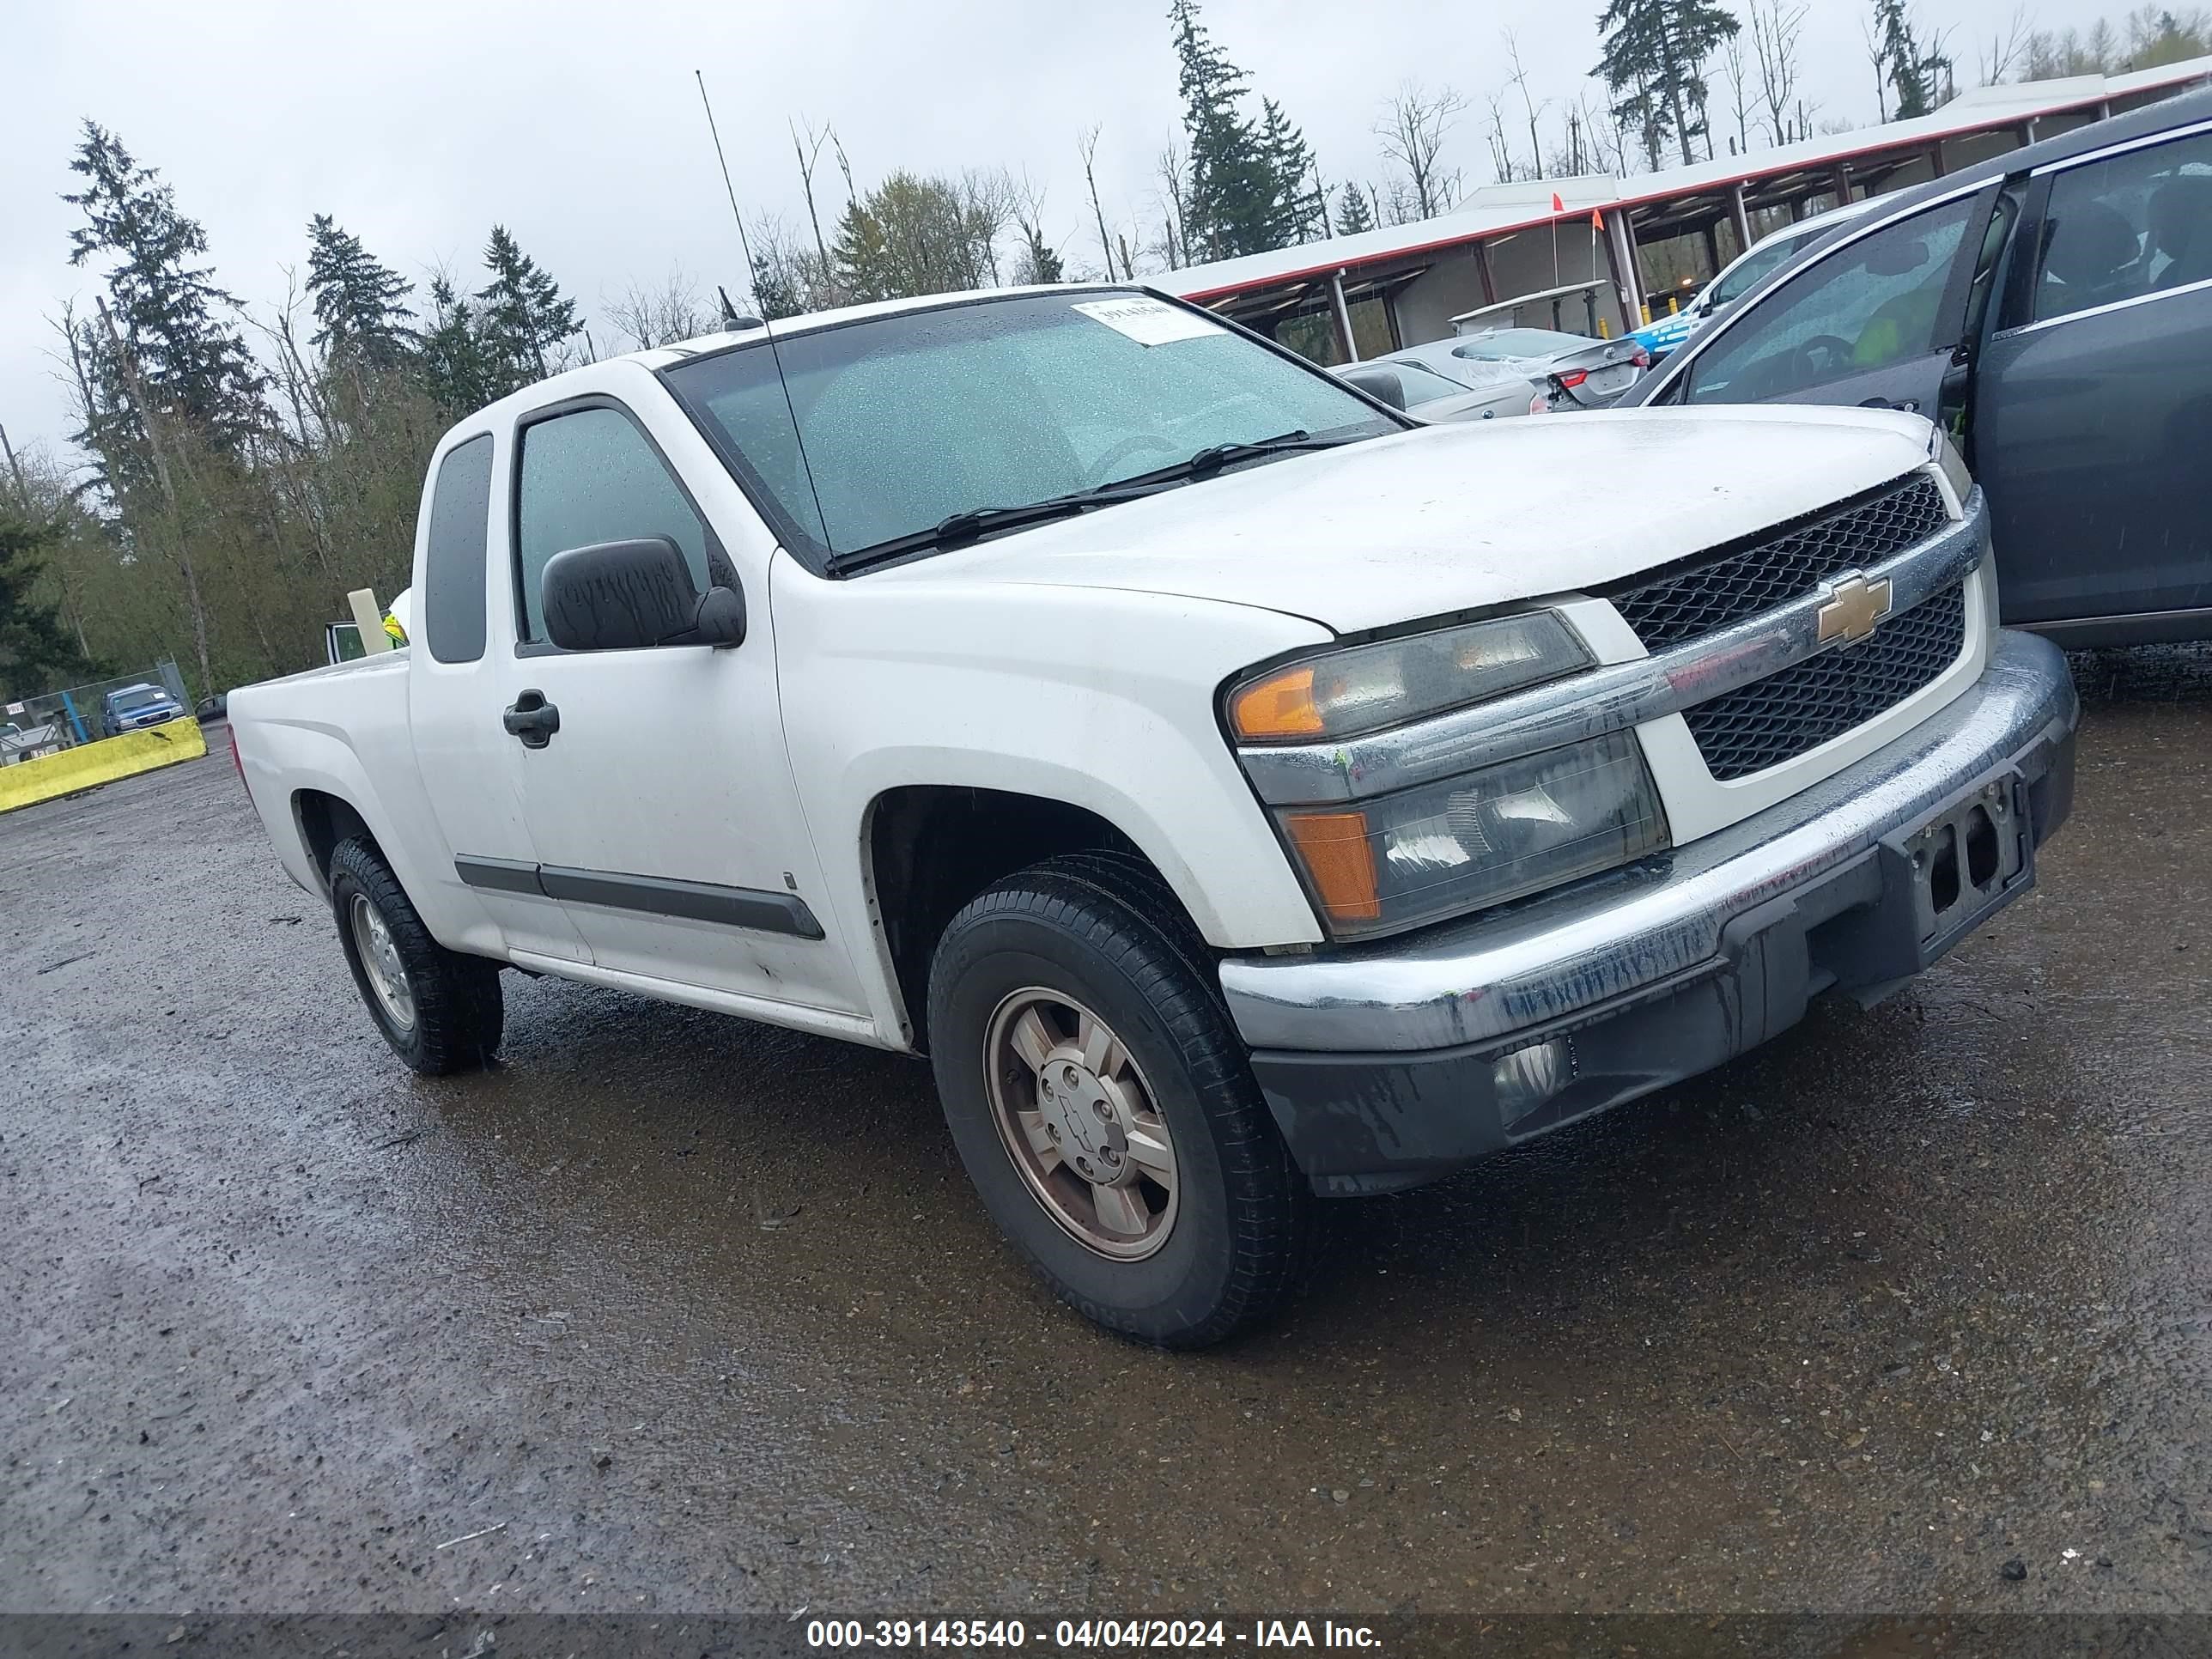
(579, 128)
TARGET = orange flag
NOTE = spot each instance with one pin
(1597, 220)
(1557, 206)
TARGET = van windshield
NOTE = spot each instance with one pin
(910, 419)
(1740, 279)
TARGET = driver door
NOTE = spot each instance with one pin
(1880, 321)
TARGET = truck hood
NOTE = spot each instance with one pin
(1450, 518)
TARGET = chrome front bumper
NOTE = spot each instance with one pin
(1360, 1050)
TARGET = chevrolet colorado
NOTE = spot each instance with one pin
(1240, 792)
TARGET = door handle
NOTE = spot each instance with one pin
(531, 719)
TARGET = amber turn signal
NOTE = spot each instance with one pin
(1341, 861)
(1280, 705)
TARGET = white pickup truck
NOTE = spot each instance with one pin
(1240, 792)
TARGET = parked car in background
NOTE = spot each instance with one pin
(1425, 393)
(1573, 370)
(1663, 336)
(18, 743)
(136, 707)
(2052, 309)
(1242, 792)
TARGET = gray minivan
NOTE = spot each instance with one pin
(2052, 309)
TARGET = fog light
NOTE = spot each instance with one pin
(1526, 1078)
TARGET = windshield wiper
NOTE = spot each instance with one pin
(1215, 456)
(959, 529)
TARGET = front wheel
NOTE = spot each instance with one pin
(441, 1012)
(1104, 1107)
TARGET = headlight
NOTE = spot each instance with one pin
(1345, 693)
(1399, 860)
(1945, 454)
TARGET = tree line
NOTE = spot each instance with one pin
(237, 472)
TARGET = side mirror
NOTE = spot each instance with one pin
(625, 596)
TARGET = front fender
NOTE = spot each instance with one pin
(1101, 699)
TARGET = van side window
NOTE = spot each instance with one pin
(589, 477)
(453, 555)
(2134, 224)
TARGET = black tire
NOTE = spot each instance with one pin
(459, 1012)
(1106, 930)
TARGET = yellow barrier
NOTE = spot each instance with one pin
(90, 764)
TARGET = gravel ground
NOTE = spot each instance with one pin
(674, 1313)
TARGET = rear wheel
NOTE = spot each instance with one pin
(1105, 1109)
(441, 1012)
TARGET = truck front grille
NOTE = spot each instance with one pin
(1726, 585)
(1804, 706)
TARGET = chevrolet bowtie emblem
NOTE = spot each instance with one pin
(1855, 605)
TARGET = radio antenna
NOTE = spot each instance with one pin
(752, 275)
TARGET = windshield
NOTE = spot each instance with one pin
(144, 696)
(909, 419)
(1502, 343)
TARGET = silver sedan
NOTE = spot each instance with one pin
(1482, 393)
(1573, 370)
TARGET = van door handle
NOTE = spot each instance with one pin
(531, 719)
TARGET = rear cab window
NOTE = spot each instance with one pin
(453, 554)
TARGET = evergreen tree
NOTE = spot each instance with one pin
(357, 301)
(1655, 51)
(1354, 213)
(36, 655)
(524, 316)
(190, 360)
(1234, 201)
(1300, 211)
(776, 289)
(913, 235)
(451, 361)
(1039, 261)
(1915, 72)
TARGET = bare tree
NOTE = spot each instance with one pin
(1412, 134)
(1086, 145)
(1037, 260)
(658, 316)
(989, 198)
(1877, 52)
(1775, 27)
(2008, 46)
(1173, 173)
(1741, 98)
(810, 159)
(1519, 79)
(1597, 130)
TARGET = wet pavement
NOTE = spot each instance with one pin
(700, 1315)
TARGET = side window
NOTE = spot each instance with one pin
(591, 476)
(2130, 225)
(453, 559)
(1866, 306)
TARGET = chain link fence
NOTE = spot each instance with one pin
(54, 720)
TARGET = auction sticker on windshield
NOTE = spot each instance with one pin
(1148, 322)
